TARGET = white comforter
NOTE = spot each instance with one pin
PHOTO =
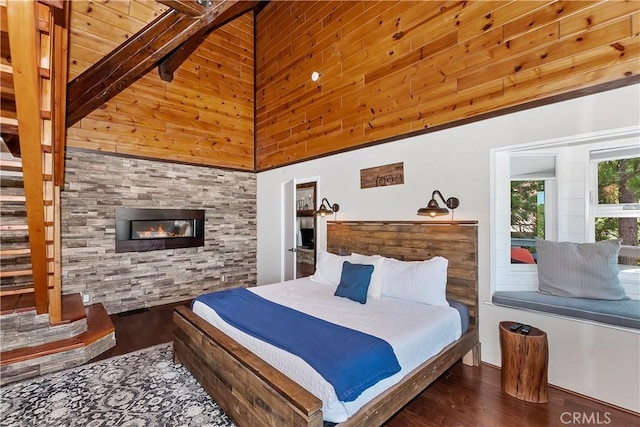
(415, 331)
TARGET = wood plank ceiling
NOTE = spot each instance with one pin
(203, 116)
(388, 69)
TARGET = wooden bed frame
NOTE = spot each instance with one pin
(253, 393)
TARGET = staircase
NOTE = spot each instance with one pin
(16, 276)
(40, 327)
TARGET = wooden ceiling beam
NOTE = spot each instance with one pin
(58, 4)
(188, 7)
(133, 59)
(170, 63)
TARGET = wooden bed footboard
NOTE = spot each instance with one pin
(250, 391)
(253, 393)
(386, 404)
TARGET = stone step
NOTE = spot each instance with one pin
(99, 325)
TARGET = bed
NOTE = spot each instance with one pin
(252, 392)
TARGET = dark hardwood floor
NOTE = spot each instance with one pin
(140, 329)
(463, 396)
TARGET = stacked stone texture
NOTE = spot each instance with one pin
(55, 362)
(97, 184)
(28, 329)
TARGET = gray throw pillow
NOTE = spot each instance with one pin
(581, 270)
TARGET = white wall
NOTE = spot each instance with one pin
(588, 359)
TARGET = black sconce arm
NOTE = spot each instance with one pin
(451, 202)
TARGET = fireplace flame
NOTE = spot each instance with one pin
(160, 233)
(178, 229)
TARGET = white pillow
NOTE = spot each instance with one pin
(419, 281)
(375, 286)
(329, 267)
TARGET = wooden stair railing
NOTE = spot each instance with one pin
(38, 40)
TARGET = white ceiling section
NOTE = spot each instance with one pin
(534, 166)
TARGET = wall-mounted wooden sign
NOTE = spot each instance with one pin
(381, 176)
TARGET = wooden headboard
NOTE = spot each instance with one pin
(416, 241)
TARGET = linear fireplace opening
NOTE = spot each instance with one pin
(141, 230)
(169, 229)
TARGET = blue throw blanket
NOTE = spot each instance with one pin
(350, 360)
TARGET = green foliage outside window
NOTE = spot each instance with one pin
(618, 182)
(527, 215)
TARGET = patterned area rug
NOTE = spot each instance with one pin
(143, 388)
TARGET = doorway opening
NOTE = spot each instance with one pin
(305, 229)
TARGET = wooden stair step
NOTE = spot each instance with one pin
(6, 198)
(17, 303)
(7, 94)
(17, 251)
(11, 165)
(11, 142)
(13, 227)
(9, 125)
(44, 73)
(99, 325)
(6, 68)
(43, 25)
(72, 309)
(13, 273)
(16, 290)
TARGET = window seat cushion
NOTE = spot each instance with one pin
(625, 313)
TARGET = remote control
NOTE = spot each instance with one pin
(525, 330)
(515, 327)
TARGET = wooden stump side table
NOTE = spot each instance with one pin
(525, 360)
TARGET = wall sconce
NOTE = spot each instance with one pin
(433, 209)
(327, 209)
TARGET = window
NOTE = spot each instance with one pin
(530, 175)
(579, 189)
(615, 198)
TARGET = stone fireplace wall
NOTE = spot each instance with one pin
(95, 184)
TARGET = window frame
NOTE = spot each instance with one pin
(629, 275)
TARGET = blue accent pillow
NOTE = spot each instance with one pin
(354, 282)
